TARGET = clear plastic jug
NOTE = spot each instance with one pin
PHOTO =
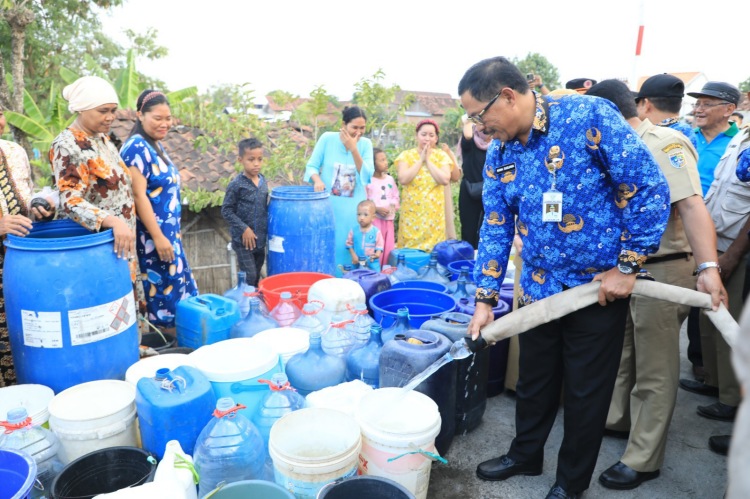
(360, 327)
(315, 369)
(309, 319)
(363, 361)
(399, 326)
(237, 293)
(280, 400)
(337, 341)
(403, 272)
(461, 291)
(471, 288)
(229, 449)
(254, 322)
(431, 272)
(391, 273)
(286, 311)
(36, 441)
(251, 292)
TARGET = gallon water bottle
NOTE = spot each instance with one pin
(431, 272)
(254, 322)
(399, 326)
(359, 329)
(280, 400)
(286, 312)
(251, 292)
(363, 361)
(345, 268)
(337, 340)
(471, 288)
(229, 449)
(403, 272)
(391, 273)
(237, 293)
(315, 369)
(461, 291)
(309, 321)
(36, 441)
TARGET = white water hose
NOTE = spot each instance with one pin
(573, 299)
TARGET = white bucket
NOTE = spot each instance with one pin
(146, 368)
(34, 398)
(411, 424)
(287, 341)
(313, 447)
(94, 416)
(336, 294)
(343, 397)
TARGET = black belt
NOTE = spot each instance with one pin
(669, 258)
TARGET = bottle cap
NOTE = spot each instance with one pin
(286, 295)
(17, 415)
(225, 403)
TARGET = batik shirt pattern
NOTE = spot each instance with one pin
(615, 199)
(684, 128)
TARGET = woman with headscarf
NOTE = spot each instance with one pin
(16, 191)
(94, 183)
(473, 151)
(156, 187)
(423, 172)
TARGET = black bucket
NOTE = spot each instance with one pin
(103, 472)
(365, 487)
(155, 341)
(183, 350)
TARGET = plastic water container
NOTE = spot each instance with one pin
(287, 341)
(315, 369)
(472, 373)
(309, 320)
(371, 281)
(87, 311)
(237, 293)
(229, 449)
(403, 272)
(337, 341)
(34, 398)
(234, 368)
(93, 416)
(360, 328)
(17, 474)
(253, 489)
(343, 397)
(297, 283)
(461, 291)
(286, 312)
(422, 305)
(401, 360)
(281, 399)
(432, 273)
(392, 427)
(432, 286)
(147, 367)
(365, 487)
(41, 444)
(336, 294)
(400, 325)
(205, 319)
(163, 402)
(453, 250)
(456, 267)
(415, 259)
(363, 361)
(254, 322)
(313, 447)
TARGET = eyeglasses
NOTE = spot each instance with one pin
(705, 105)
(477, 118)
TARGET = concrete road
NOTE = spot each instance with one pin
(691, 469)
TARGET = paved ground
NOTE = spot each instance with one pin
(691, 469)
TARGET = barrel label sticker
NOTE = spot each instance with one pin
(42, 329)
(276, 244)
(88, 325)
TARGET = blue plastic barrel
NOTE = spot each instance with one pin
(301, 233)
(432, 286)
(455, 269)
(70, 307)
(415, 259)
(422, 305)
(205, 320)
(17, 474)
(452, 250)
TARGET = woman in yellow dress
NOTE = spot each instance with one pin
(423, 172)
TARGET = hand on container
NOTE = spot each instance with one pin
(483, 315)
(249, 239)
(319, 186)
(164, 249)
(615, 285)
(355, 260)
(709, 281)
(124, 237)
(18, 225)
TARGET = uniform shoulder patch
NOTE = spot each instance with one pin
(676, 155)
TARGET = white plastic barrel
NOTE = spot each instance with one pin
(93, 416)
(394, 425)
(335, 294)
(34, 398)
(287, 341)
(146, 368)
(313, 447)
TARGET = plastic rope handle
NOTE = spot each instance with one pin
(168, 384)
(181, 463)
(11, 427)
(276, 388)
(355, 311)
(389, 270)
(317, 310)
(231, 413)
(429, 455)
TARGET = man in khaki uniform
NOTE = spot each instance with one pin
(646, 387)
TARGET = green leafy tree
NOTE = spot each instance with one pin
(453, 125)
(379, 103)
(539, 65)
(745, 86)
(309, 112)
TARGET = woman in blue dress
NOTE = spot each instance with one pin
(342, 163)
(156, 188)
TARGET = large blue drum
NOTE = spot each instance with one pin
(70, 307)
(301, 232)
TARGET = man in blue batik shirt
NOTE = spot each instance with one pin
(589, 202)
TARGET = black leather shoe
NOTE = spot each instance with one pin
(623, 477)
(623, 435)
(558, 492)
(720, 444)
(718, 411)
(699, 387)
(504, 467)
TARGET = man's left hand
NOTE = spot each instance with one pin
(709, 281)
(615, 285)
(728, 263)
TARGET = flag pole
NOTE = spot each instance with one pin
(639, 44)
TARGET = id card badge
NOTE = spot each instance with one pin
(552, 206)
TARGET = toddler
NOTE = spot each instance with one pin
(383, 191)
(365, 240)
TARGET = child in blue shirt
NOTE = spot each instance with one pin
(366, 241)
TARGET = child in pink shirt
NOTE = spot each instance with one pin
(383, 191)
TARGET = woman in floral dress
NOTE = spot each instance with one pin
(156, 187)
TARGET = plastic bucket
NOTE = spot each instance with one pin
(455, 268)
(155, 341)
(297, 283)
(337, 296)
(94, 416)
(393, 425)
(35, 398)
(146, 368)
(252, 489)
(286, 341)
(234, 367)
(365, 487)
(17, 474)
(422, 305)
(432, 286)
(313, 447)
(103, 472)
